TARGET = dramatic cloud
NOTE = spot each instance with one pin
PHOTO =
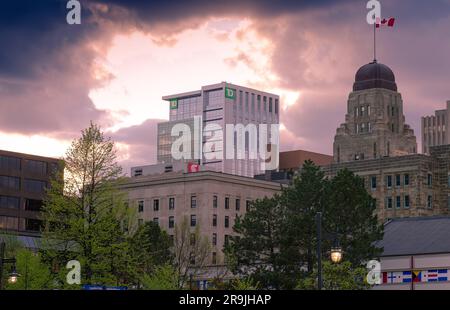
(55, 78)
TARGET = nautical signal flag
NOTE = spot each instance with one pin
(385, 22)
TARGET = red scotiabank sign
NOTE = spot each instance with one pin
(193, 167)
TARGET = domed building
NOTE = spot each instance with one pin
(374, 124)
(375, 143)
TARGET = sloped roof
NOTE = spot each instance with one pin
(412, 236)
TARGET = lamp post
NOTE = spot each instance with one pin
(13, 275)
(335, 254)
(319, 249)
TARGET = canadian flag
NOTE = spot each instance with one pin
(385, 22)
(192, 167)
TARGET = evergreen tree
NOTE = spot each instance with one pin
(255, 252)
(150, 248)
(350, 217)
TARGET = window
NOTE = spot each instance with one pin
(193, 202)
(226, 239)
(397, 180)
(8, 222)
(156, 220)
(215, 201)
(373, 182)
(34, 186)
(36, 167)
(9, 182)
(137, 172)
(33, 204)
(9, 163)
(227, 221)
(448, 201)
(238, 204)
(141, 206)
(9, 202)
(214, 258)
(247, 205)
(214, 223)
(429, 179)
(171, 221)
(406, 179)
(155, 204)
(193, 220)
(171, 203)
(389, 181)
(398, 202)
(430, 202)
(33, 225)
(407, 202)
(448, 180)
(192, 239)
(388, 202)
(227, 203)
(214, 239)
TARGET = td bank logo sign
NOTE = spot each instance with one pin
(230, 93)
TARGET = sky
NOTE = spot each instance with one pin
(116, 65)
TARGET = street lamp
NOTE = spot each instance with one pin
(336, 251)
(13, 275)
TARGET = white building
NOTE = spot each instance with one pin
(220, 104)
(434, 129)
(416, 254)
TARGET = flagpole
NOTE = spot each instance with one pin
(374, 42)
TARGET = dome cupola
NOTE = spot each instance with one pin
(374, 75)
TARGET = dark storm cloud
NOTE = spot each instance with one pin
(45, 64)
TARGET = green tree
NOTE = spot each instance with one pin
(302, 200)
(150, 247)
(85, 215)
(163, 277)
(341, 276)
(191, 251)
(244, 284)
(350, 216)
(34, 274)
(278, 237)
(255, 251)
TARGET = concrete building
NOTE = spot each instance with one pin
(23, 179)
(218, 105)
(374, 124)
(210, 200)
(434, 129)
(416, 254)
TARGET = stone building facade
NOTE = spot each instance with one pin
(377, 144)
(208, 199)
(405, 186)
(374, 124)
